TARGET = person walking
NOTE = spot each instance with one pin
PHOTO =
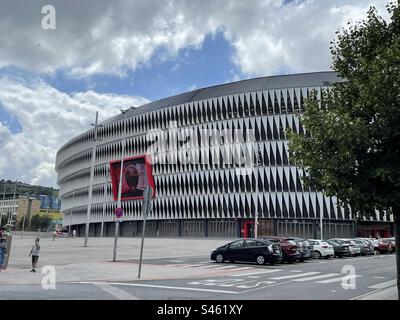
(3, 253)
(376, 247)
(74, 233)
(35, 252)
(54, 235)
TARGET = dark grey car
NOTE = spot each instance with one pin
(365, 247)
(304, 247)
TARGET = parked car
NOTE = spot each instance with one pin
(290, 249)
(366, 248)
(304, 247)
(321, 249)
(62, 234)
(370, 243)
(354, 249)
(340, 249)
(392, 244)
(249, 250)
(385, 246)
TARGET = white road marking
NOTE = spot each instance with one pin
(226, 267)
(296, 271)
(243, 286)
(159, 287)
(254, 273)
(243, 268)
(338, 279)
(295, 276)
(384, 285)
(177, 265)
(209, 266)
(115, 292)
(328, 275)
(188, 265)
(379, 277)
(253, 277)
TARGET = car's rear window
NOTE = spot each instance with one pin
(292, 242)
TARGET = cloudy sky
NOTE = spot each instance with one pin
(105, 55)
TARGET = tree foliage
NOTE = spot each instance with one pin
(351, 149)
(40, 222)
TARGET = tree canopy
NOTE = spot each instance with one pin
(351, 148)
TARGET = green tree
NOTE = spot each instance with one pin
(351, 148)
(46, 222)
(40, 222)
(35, 222)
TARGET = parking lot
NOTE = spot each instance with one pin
(182, 269)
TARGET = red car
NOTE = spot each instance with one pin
(384, 246)
(290, 249)
(392, 244)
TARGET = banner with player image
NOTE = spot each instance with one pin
(136, 175)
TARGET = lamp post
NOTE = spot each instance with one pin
(70, 215)
(107, 176)
(12, 211)
(124, 112)
(256, 177)
(3, 206)
(320, 224)
(91, 181)
(28, 212)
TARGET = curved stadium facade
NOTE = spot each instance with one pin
(228, 163)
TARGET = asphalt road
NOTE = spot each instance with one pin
(339, 279)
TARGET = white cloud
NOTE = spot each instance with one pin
(48, 118)
(111, 37)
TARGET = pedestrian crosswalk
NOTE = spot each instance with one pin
(213, 266)
(247, 277)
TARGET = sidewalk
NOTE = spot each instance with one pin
(385, 294)
(75, 263)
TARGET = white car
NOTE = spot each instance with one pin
(321, 249)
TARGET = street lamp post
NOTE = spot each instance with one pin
(70, 215)
(4, 204)
(320, 224)
(124, 112)
(12, 211)
(256, 177)
(91, 181)
(107, 176)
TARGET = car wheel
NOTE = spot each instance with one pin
(219, 258)
(317, 255)
(260, 260)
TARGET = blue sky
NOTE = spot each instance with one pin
(161, 77)
(104, 56)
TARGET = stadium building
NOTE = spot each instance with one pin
(219, 158)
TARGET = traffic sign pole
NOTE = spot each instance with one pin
(119, 189)
(148, 193)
